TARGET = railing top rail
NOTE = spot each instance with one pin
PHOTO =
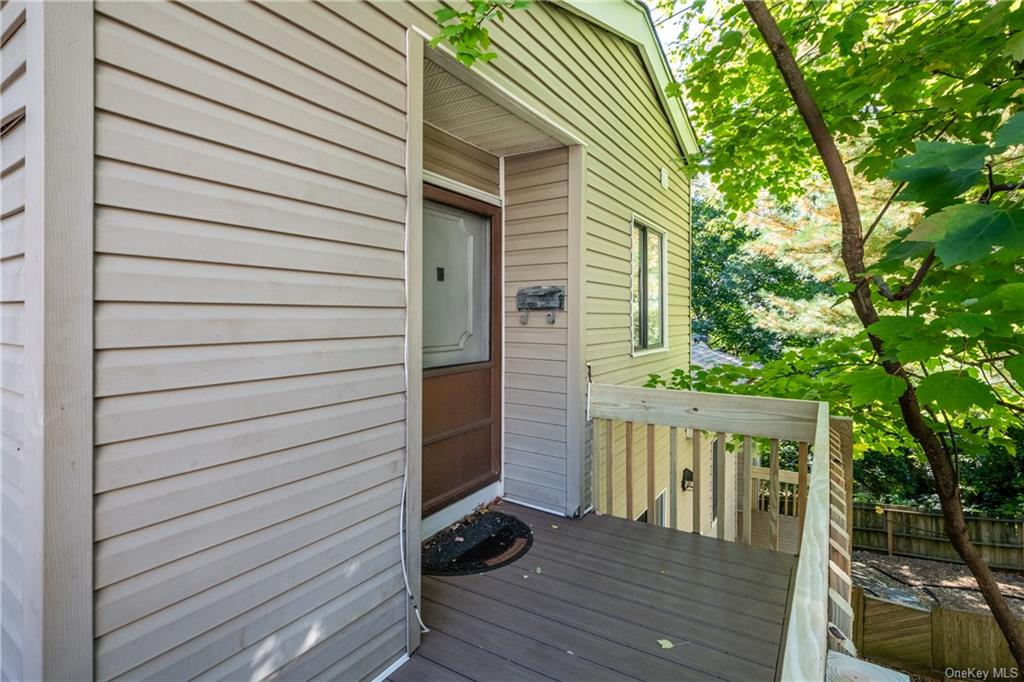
(737, 414)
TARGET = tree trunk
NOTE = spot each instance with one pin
(946, 482)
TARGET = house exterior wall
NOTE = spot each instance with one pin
(249, 314)
(249, 322)
(14, 95)
(553, 61)
(460, 161)
(536, 354)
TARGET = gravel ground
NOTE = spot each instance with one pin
(948, 584)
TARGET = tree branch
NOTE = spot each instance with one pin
(909, 288)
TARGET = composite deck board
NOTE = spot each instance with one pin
(607, 591)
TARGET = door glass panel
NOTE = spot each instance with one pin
(456, 286)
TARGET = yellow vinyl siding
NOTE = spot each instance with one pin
(249, 323)
(536, 354)
(12, 337)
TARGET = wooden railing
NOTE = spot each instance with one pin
(644, 438)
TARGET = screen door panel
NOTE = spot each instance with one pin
(461, 347)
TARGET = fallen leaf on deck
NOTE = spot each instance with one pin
(555, 526)
(538, 570)
(665, 644)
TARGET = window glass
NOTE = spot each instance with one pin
(648, 301)
(654, 293)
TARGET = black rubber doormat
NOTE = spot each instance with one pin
(481, 542)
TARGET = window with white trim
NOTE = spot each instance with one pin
(648, 287)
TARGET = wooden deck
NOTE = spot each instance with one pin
(608, 589)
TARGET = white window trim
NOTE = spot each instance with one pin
(634, 220)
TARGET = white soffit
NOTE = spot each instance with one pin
(459, 109)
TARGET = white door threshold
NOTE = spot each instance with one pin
(440, 520)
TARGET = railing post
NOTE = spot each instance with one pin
(650, 475)
(697, 480)
(773, 496)
(629, 472)
(673, 477)
(747, 505)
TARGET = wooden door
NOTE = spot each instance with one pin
(461, 346)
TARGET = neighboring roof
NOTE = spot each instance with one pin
(706, 357)
(631, 19)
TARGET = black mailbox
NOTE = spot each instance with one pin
(541, 298)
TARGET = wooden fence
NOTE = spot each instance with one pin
(911, 532)
(927, 641)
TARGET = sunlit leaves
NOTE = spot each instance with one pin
(954, 391)
(935, 186)
(1012, 132)
(873, 384)
(885, 75)
(466, 31)
(968, 232)
(1015, 366)
(951, 155)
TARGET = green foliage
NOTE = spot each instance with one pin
(873, 384)
(885, 75)
(730, 286)
(465, 31)
(922, 95)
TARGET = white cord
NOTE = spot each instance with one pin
(401, 547)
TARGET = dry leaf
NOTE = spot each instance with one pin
(666, 644)
(555, 526)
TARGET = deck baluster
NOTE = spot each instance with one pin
(650, 475)
(719, 484)
(745, 483)
(673, 478)
(801, 485)
(629, 471)
(773, 496)
(608, 464)
(698, 480)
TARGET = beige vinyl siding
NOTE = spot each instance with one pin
(558, 63)
(536, 354)
(12, 350)
(249, 321)
(455, 159)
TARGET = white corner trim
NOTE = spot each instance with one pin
(440, 520)
(386, 673)
(462, 188)
(630, 19)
